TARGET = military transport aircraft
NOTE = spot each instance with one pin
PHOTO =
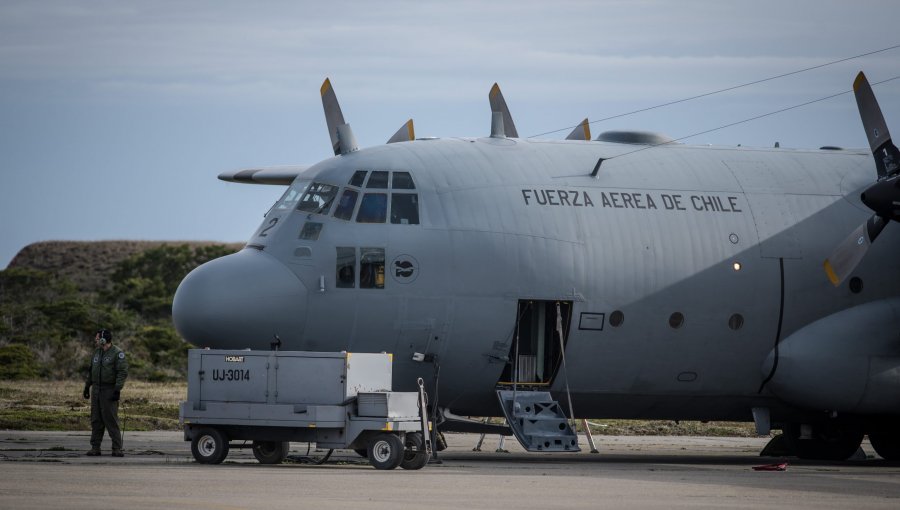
(626, 276)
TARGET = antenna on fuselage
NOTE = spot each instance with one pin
(596, 170)
(342, 138)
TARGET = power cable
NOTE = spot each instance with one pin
(727, 89)
(782, 110)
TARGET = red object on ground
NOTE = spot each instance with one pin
(772, 467)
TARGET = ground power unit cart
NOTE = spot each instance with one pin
(270, 398)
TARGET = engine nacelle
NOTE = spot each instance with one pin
(847, 362)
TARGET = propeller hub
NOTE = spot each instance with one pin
(883, 197)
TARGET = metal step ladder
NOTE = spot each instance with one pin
(537, 421)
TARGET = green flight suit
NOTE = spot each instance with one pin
(109, 369)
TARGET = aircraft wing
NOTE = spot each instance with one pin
(266, 175)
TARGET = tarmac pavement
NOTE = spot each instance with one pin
(49, 470)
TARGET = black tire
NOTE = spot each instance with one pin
(885, 439)
(886, 445)
(414, 456)
(385, 451)
(830, 440)
(362, 452)
(270, 452)
(209, 446)
(440, 442)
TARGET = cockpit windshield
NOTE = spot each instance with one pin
(291, 196)
(318, 198)
(373, 208)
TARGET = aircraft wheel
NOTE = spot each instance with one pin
(414, 456)
(209, 446)
(270, 452)
(885, 439)
(385, 451)
(828, 441)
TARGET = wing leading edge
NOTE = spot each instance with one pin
(282, 175)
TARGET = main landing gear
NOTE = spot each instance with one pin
(885, 438)
(839, 440)
(829, 440)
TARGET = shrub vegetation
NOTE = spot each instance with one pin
(47, 321)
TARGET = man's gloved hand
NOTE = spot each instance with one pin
(87, 392)
(115, 396)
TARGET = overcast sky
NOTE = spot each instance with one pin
(117, 116)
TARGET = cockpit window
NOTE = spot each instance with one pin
(373, 208)
(318, 198)
(405, 208)
(344, 209)
(291, 196)
(358, 178)
(378, 180)
(402, 180)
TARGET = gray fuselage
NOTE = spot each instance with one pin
(697, 254)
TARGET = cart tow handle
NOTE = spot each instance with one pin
(423, 413)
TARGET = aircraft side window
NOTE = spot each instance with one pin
(371, 268)
(344, 209)
(373, 208)
(358, 178)
(346, 268)
(318, 198)
(310, 231)
(402, 180)
(405, 208)
(378, 180)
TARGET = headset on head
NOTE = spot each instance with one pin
(105, 336)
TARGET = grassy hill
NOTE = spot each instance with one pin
(54, 295)
(89, 264)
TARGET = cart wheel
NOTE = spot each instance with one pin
(414, 456)
(270, 452)
(209, 446)
(385, 451)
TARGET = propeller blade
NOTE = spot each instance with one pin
(581, 132)
(851, 251)
(342, 139)
(406, 133)
(887, 157)
(498, 105)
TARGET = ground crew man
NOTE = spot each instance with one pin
(109, 369)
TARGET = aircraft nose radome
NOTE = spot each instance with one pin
(239, 301)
